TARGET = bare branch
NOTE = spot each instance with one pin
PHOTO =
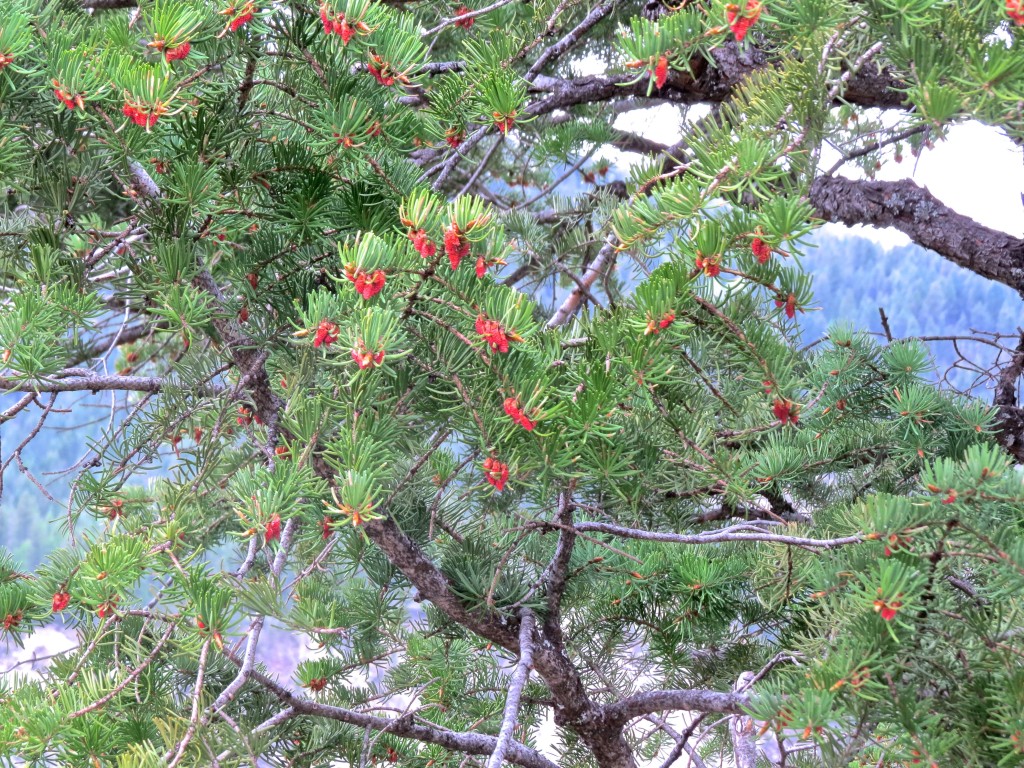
(463, 17)
(405, 726)
(515, 690)
(193, 721)
(570, 39)
(256, 627)
(21, 405)
(694, 700)
(82, 383)
(98, 704)
(742, 532)
(605, 257)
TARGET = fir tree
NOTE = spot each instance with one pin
(376, 379)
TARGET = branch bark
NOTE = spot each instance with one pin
(709, 83)
(605, 257)
(515, 691)
(1011, 415)
(82, 383)
(741, 729)
(694, 700)
(555, 575)
(108, 5)
(917, 213)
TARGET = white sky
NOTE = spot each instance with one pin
(977, 171)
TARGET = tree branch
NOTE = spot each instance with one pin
(741, 532)
(515, 691)
(83, 381)
(695, 700)
(405, 726)
(573, 707)
(108, 5)
(554, 577)
(98, 704)
(714, 83)
(741, 729)
(247, 357)
(594, 270)
(1011, 415)
(570, 39)
(926, 220)
(256, 627)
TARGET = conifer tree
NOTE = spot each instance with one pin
(545, 478)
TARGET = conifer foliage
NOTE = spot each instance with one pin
(379, 378)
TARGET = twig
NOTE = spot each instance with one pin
(867, 149)
(482, 165)
(470, 15)
(735, 533)
(255, 627)
(885, 324)
(570, 39)
(557, 182)
(124, 683)
(11, 412)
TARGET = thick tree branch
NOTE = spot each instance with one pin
(432, 585)
(867, 87)
(926, 220)
(695, 700)
(573, 707)
(555, 575)
(515, 691)
(1011, 415)
(709, 83)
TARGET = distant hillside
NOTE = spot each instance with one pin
(32, 523)
(922, 295)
